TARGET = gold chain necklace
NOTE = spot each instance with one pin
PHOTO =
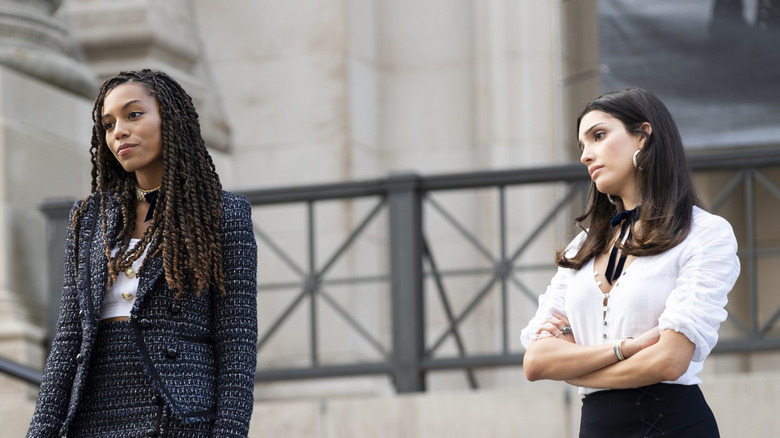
(140, 193)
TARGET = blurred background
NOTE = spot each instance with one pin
(413, 167)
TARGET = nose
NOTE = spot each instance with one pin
(120, 130)
(586, 156)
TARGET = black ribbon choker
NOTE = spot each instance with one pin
(151, 198)
(626, 218)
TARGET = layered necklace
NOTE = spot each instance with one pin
(617, 259)
(125, 261)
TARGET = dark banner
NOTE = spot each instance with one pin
(715, 63)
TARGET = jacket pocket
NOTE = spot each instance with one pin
(191, 376)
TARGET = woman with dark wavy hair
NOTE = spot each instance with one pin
(158, 321)
(639, 295)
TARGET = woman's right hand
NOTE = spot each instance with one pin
(635, 345)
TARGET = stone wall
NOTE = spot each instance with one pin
(741, 404)
(43, 155)
(303, 92)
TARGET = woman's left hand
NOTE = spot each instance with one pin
(558, 327)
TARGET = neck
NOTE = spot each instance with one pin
(629, 204)
(147, 182)
(629, 198)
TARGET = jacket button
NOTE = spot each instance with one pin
(175, 308)
(151, 432)
(80, 358)
(156, 399)
(172, 353)
(82, 313)
(145, 323)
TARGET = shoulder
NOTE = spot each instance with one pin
(705, 222)
(707, 228)
(233, 204)
(92, 202)
(89, 205)
(574, 246)
(232, 201)
(236, 211)
(76, 205)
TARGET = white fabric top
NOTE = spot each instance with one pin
(119, 300)
(682, 289)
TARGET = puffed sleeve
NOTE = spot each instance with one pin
(54, 394)
(709, 267)
(235, 321)
(554, 298)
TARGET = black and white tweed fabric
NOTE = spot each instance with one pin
(197, 353)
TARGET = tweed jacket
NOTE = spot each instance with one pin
(199, 352)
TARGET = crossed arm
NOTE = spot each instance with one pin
(651, 358)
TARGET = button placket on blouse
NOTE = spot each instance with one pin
(605, 305)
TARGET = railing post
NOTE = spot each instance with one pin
(405, 211)
(56, 213)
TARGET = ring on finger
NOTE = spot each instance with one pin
(566, 330)
(559, 333)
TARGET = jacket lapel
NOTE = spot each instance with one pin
(98, 257)
(152, 271)
(88, 232)
(95, 286)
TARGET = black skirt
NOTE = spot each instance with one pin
(119, 399)
(660, 410)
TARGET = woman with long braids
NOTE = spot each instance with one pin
(639, 295)
(157, 328)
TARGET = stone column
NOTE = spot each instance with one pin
(42, 82)
(580, 67)
(44, 142)
(34, 42)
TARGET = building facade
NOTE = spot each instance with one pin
(310, 93)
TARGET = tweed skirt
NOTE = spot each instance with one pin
(660, 410)
(119, 399)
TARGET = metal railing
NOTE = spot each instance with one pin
(21, 372)
(402, 207)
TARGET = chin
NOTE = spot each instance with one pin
(128, 169)
(602, 189)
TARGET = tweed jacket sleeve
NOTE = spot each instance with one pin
(59, 373)
(199, 351)
(235, 321)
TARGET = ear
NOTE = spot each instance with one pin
(648, 129)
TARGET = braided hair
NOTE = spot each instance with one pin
(185, 225)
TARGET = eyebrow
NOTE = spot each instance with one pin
(124, 107)
(585, 134)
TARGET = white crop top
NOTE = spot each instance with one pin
(120, 298)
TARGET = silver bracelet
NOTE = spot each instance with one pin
(617, 347)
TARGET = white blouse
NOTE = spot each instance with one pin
(120, 298)
(683, 289)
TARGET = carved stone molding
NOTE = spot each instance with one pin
(160, 35)
(34, 42)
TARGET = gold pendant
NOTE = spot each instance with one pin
(129, 273)
(127, 296)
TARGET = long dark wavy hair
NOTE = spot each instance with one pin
(664, 184)
(186, 220)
